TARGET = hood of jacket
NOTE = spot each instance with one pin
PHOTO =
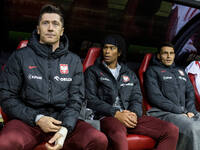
(45, 50)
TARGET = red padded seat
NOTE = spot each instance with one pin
(142, 69)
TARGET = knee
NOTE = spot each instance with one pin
(94, 140)
(100, 139)
(172, 130)
(192, 128)
(9, 141)
(117, 135)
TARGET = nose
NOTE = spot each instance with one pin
(107, 50)
(50, 28)
(168, 55)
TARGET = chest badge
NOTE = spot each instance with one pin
(126, 78)
(64, 69)
(181, 72)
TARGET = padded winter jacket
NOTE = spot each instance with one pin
(38, 81)
(169, 88)
(102, 89)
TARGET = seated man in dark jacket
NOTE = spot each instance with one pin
(171, 95)
(113, 93)
(41, 91)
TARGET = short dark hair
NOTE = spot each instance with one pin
(48, 8)
(163, 45)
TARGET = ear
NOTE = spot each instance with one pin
(119, 54)
(158, 56)
(62, 31)
(38, 30)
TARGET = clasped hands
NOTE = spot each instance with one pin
(47, 125)
(189, 114)
(128, 118)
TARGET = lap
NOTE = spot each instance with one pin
(147, 125)
(83, 133)
(111, 124)
(20, 133)
(180, 120)
(151, 126)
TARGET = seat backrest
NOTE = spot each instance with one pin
(22, 44)
(92, 54)
(197, 94)
(142, 69)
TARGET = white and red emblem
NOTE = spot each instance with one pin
(181, 72)
(64, 69)
(126, 78)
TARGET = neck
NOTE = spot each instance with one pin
(112, 65)
(55, 46)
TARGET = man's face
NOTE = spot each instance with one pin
(110, 54)
(166, 55)
(50, 29)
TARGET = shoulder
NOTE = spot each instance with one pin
(179, 68)
(73, 55)
(20, 54)
(92, 69)
(151, 69)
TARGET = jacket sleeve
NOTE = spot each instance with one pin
(190, 97)
(155, 95)
(135, 103)
(93, 100)
(10, 85)
(70, 114)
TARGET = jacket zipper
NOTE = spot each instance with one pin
(49, 81)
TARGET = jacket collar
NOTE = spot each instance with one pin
(45, 50)
(100, 64)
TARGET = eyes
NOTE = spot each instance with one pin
(53, 23)
(167, 53)
(109, 47)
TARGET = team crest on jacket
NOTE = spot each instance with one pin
(64, 69)
(181, 72)
(126, 78)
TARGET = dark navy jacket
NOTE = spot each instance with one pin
(102, 89)
(39, 81)
(169, 88)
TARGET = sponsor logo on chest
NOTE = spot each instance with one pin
(182, 78)
(167, 78)
(57, 78)
(104, 79)
(126, 84)
(32, 67)
(30, 77)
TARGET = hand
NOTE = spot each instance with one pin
(185, 115)
(48, 124)
(190, 114)
(132, 116)
(129, 119)
(53, 144)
